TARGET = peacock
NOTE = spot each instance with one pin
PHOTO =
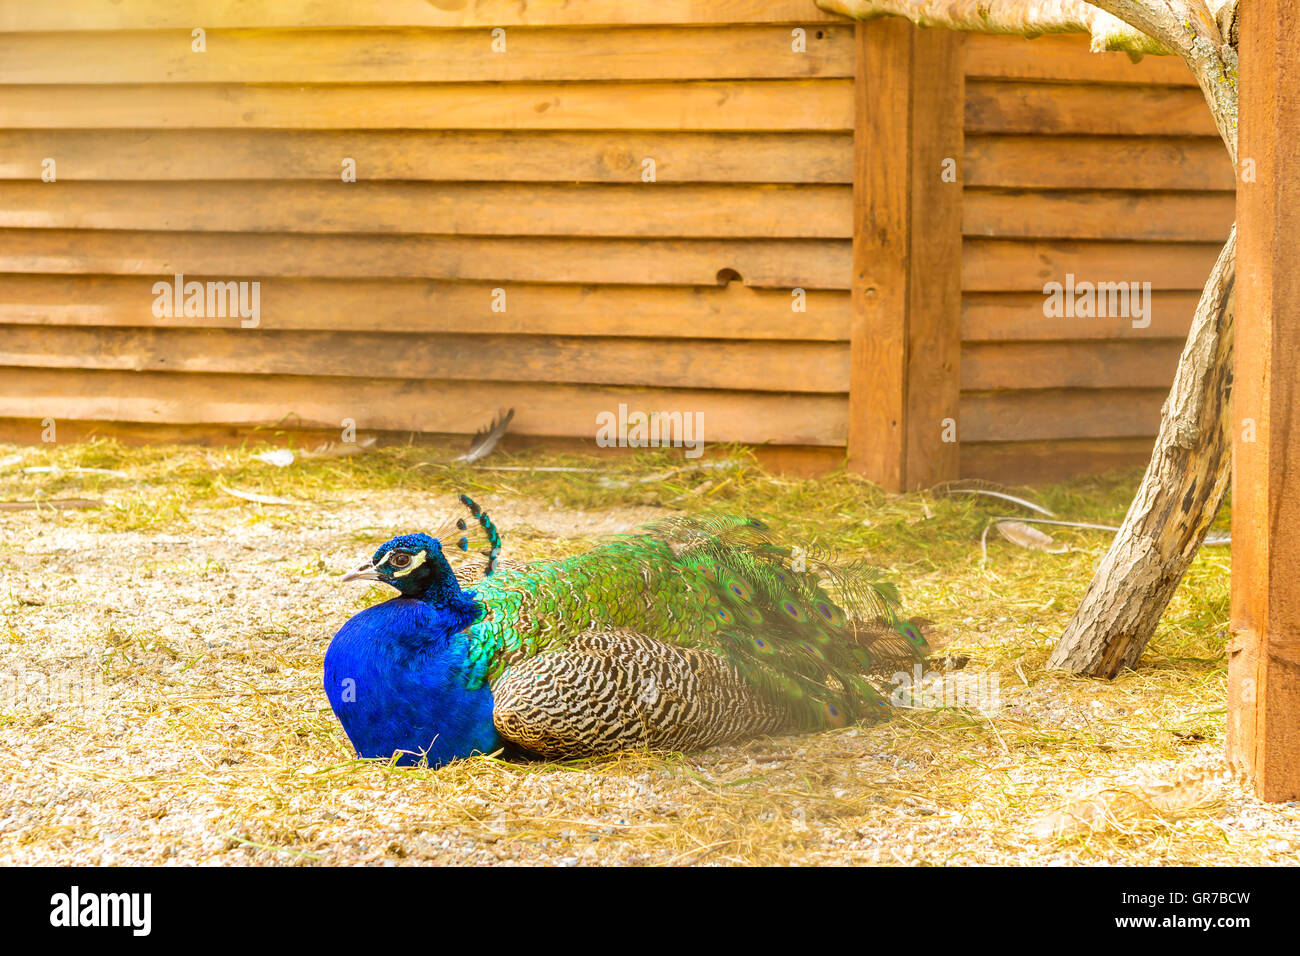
(690, 632)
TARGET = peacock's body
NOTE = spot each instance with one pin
(688, 633)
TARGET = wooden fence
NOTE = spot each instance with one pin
(827, 239)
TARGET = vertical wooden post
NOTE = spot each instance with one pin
(1264, 658)
(906, 334)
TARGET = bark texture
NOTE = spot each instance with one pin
(1190, 467)
(1176, 503)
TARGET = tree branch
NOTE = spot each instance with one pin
(1189, 28)
(1225, 15)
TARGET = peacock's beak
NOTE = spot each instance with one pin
(366, 572)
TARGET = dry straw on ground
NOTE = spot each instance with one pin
(161, 701)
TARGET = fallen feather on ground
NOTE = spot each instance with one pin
(1021, 534)
(259, 498)
(280, 457)
(339, 449)
(487, 438)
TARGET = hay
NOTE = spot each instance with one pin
(162, 656)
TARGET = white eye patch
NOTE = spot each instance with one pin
(416, 561)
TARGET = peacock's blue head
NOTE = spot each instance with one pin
(412, 563)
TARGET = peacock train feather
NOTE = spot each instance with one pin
(689, 632)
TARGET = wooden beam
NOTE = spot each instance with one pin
(1264, 657)
(81, 15)
(1094, 109)
(1028, 214)
(387, 55)
(591, 156)
(721, 105)
(732, 311)
(1009, 317)
(1024, 265)
(1190, 164)
(671, 210)
(669, 363)
(395, 404)
(761, 263)
(1032, 462)
(905, 338)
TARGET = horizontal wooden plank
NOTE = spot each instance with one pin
(1092, 108)
(1018, 316)
(989, 265)
(1050, 461)
(1040, 414)
(1098, 162)
(987, 366)
(1085, 214)
(679, 363)
(425, 55)
(183, 14)
(413, 305)
(772, 263)
(505, 156)
(688, 105)
(992, 56)
(484, 209)
(1013, 265)
(718, 312)
(407, 405)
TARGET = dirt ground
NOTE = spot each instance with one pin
(162, 700)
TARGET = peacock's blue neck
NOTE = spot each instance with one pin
(399, 677)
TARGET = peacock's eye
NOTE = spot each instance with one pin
(400, 560)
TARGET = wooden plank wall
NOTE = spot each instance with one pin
(522, 171)
(477, 170)
(1088, 164)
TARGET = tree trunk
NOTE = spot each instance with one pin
(1176, 503)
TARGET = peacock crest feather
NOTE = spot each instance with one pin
(477, 533)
